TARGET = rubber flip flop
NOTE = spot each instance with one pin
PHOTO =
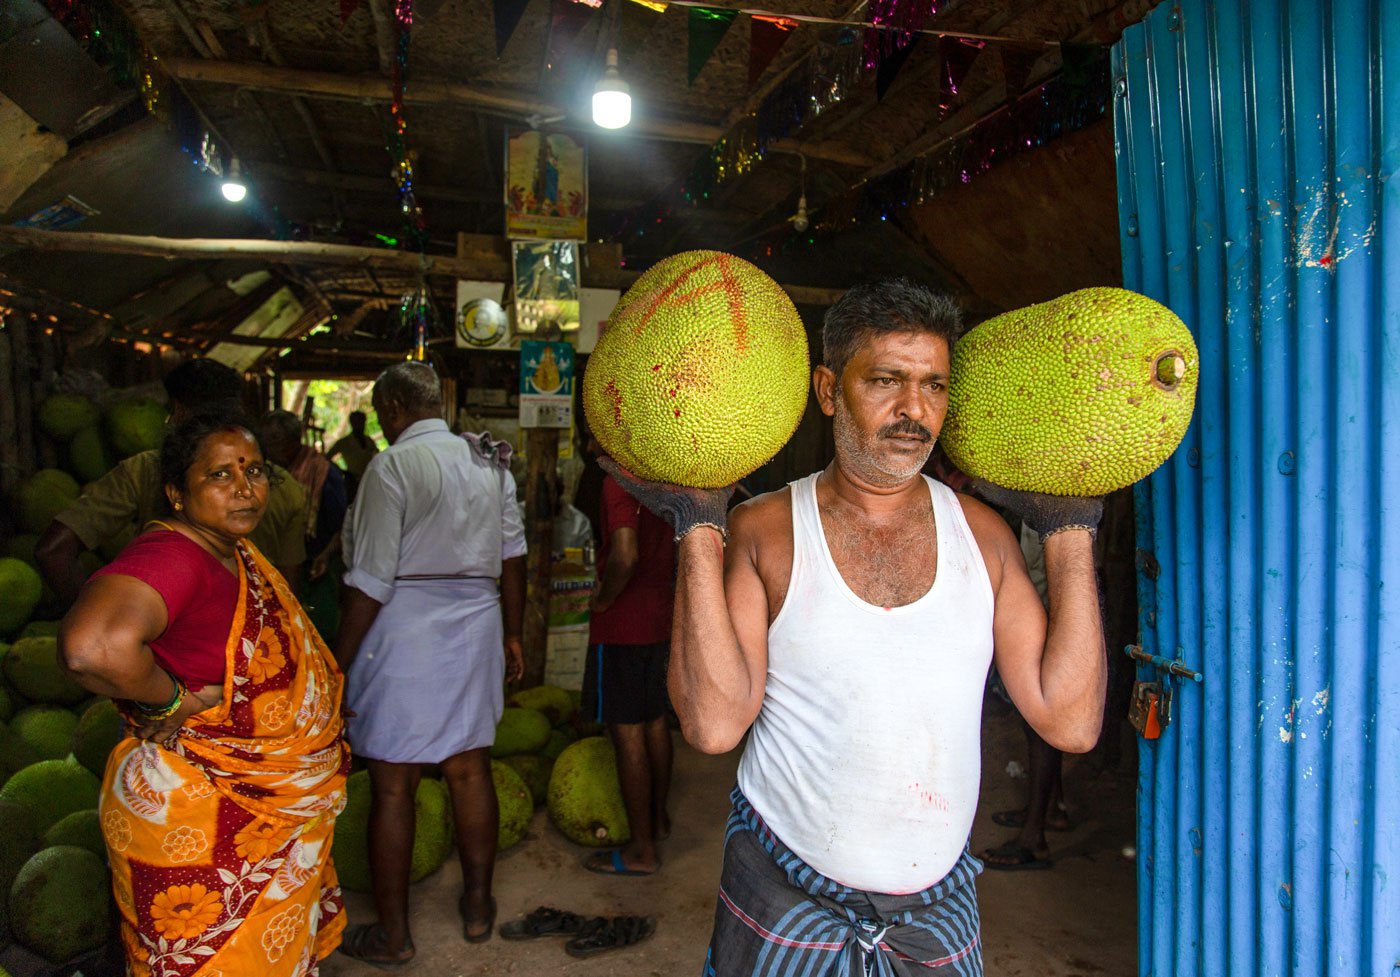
(1011, 857)
(613, 865)
(355, 945)
(614, 934)
(546, 921)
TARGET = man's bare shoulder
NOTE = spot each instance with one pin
(762, 515)
(986, 523)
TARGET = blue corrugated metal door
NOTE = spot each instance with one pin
(1258, 143)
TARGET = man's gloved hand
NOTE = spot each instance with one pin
(684, 508)
(1045, 514)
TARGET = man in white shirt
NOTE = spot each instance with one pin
(847, 627)
(423, 629)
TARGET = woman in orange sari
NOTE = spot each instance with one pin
(218, 812)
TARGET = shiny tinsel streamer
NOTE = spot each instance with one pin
(398, 149)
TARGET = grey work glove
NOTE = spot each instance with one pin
(684, 508)
(1045, 514)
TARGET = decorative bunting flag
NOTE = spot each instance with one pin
(890, 66)
(507, 14)
(956, 55)
(566, 19)
(765, 40)
(708, 26)
(658, 5)
(1016, 63)
(895, 22)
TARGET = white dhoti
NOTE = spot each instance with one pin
(427, 682)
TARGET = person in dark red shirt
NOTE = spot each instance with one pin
(624, 683)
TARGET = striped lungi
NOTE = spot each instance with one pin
(779, 917)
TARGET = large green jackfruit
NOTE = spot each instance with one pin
(534, 771)
(20, 590)
(100, 728)
(32, 669)
(135, 425)
(432, 832)
(82, 829)
(551, 700)
(1081, 395)
(52, 790)
(20, 840)
(61, 903)
(520, 731)
(514, 801)
(42, 496)
(585, 800)
(88, 454)
(48, 729)
(63, 415)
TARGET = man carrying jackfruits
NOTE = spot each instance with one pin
(848, 626)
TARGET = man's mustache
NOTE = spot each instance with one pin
(906, 428)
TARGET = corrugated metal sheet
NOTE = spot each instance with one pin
(1258, 144)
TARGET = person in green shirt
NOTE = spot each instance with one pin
(131, 494)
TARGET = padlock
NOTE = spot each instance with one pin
(1144, 709)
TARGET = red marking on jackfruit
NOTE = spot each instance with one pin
(656, 367)
(678, 412)
(615, 398)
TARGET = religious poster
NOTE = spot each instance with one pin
(546, 186)
(546, 286)
(546, 384)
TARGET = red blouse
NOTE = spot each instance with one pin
(200, 597)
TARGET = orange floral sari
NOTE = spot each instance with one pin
(220, 848)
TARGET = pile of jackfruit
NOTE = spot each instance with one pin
(544, 753)
(55, 892)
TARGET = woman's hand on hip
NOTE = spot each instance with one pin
(165, 731)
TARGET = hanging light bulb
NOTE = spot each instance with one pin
(800, 220)
(234, 188)
(612, 104)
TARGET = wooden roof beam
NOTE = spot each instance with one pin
(372, 88)
(484, 257)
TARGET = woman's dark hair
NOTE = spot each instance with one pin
(891, 305)
(182, 442)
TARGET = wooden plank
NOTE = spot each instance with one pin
(375, 88)
(487, 258)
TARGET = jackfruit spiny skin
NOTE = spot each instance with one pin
(1081, 395)
(701, 375)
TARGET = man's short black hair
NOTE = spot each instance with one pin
(199, 382)
(357, 420)
(890, 305)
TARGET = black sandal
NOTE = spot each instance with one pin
(356, 944)
(546, 921)
(613, 934)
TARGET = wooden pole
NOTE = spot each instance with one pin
(19, 328)
(542, 457)
(487, 258)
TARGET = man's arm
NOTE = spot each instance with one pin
(719, 634)
(57, 554)
(513, 615)
(105, 509)
(1055, 671)
(357, 613)
(619, 569)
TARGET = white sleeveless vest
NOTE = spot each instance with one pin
(866, 756)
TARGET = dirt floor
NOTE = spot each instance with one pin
(1075, 920)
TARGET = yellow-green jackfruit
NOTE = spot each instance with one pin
(702, 373)
(585, 800)
(1081, 395)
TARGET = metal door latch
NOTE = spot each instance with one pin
(1150, 710)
